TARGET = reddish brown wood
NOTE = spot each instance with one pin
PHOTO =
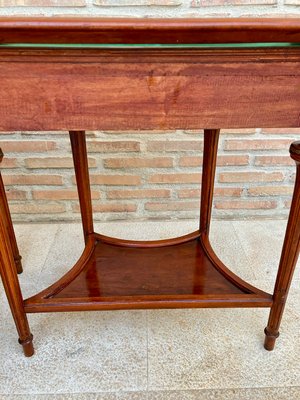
(149, 89)
(78, 144)
(211, 139)
(150, 30)
(113, 274)
(289, 256)
(79, 89)
(11, 285)
(8, 223)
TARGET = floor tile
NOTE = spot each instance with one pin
(230, 394)
(262, 242)
(63, 254)
(34, 241)
(221, 348)
(80, 396)
(77, 353)
(228, 247)
(192, 354)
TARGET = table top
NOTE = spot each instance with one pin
(144, 74)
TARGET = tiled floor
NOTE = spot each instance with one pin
(154, 355)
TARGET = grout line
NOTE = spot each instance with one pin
(249, 388)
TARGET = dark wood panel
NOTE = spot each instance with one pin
(121, 275)
(125, 271)
(129, 30)
(150, 94)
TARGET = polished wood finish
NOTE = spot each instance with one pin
(116, 275)
(80, 89)
(78, 144)
(151, 30)
(8, 223)
(211, 139)
(10, 281)
(149, 89)
(288, 261)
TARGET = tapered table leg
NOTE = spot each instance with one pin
(289, 256)
(78, 144)
(211, 139)
(12, 288)
(8, 223)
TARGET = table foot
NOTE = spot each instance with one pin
(270, 340)
(18, 264)
(27, 346)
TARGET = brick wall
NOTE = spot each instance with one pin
(145, 175)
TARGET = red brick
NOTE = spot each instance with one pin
(12, 194)
(139, 3)
(172, 145)
(140, 132)
(9, 163)
(112, 146)
(32, 180)
(189, 193)
(175, 178)
(281, 131)
(110, 207)
(244, 204)
(273, 160)
(25, 146)
(127, 180)
(190, 161)
(251, 177)
(138, 194)
(64, 194)
(212, 3)
(42, 3)
(53, 162)
(275, 144)
(35, 208)
(218, 192)
(158, 162)
(249, 131)
(270, 190)
(172, 206)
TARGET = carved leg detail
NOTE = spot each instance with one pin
(211, 139)
(78, 144)
(289, 256)
(12, 288)
(8, 223)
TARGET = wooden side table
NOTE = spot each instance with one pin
(76, 75)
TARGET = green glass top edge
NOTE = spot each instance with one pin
(145, 46)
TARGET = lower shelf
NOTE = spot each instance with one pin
(116, 274)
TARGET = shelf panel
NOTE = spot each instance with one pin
(182, 269)
(114, 274)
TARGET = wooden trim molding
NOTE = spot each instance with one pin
(129, 30)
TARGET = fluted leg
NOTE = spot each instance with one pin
(8, 223)
(211, 139)
(78, 144)
(12, 288)
(289, 256)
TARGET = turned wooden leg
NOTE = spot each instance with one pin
(78, 144)
(8, 223)
(12, 288)
(289, 256)
(211, 139)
